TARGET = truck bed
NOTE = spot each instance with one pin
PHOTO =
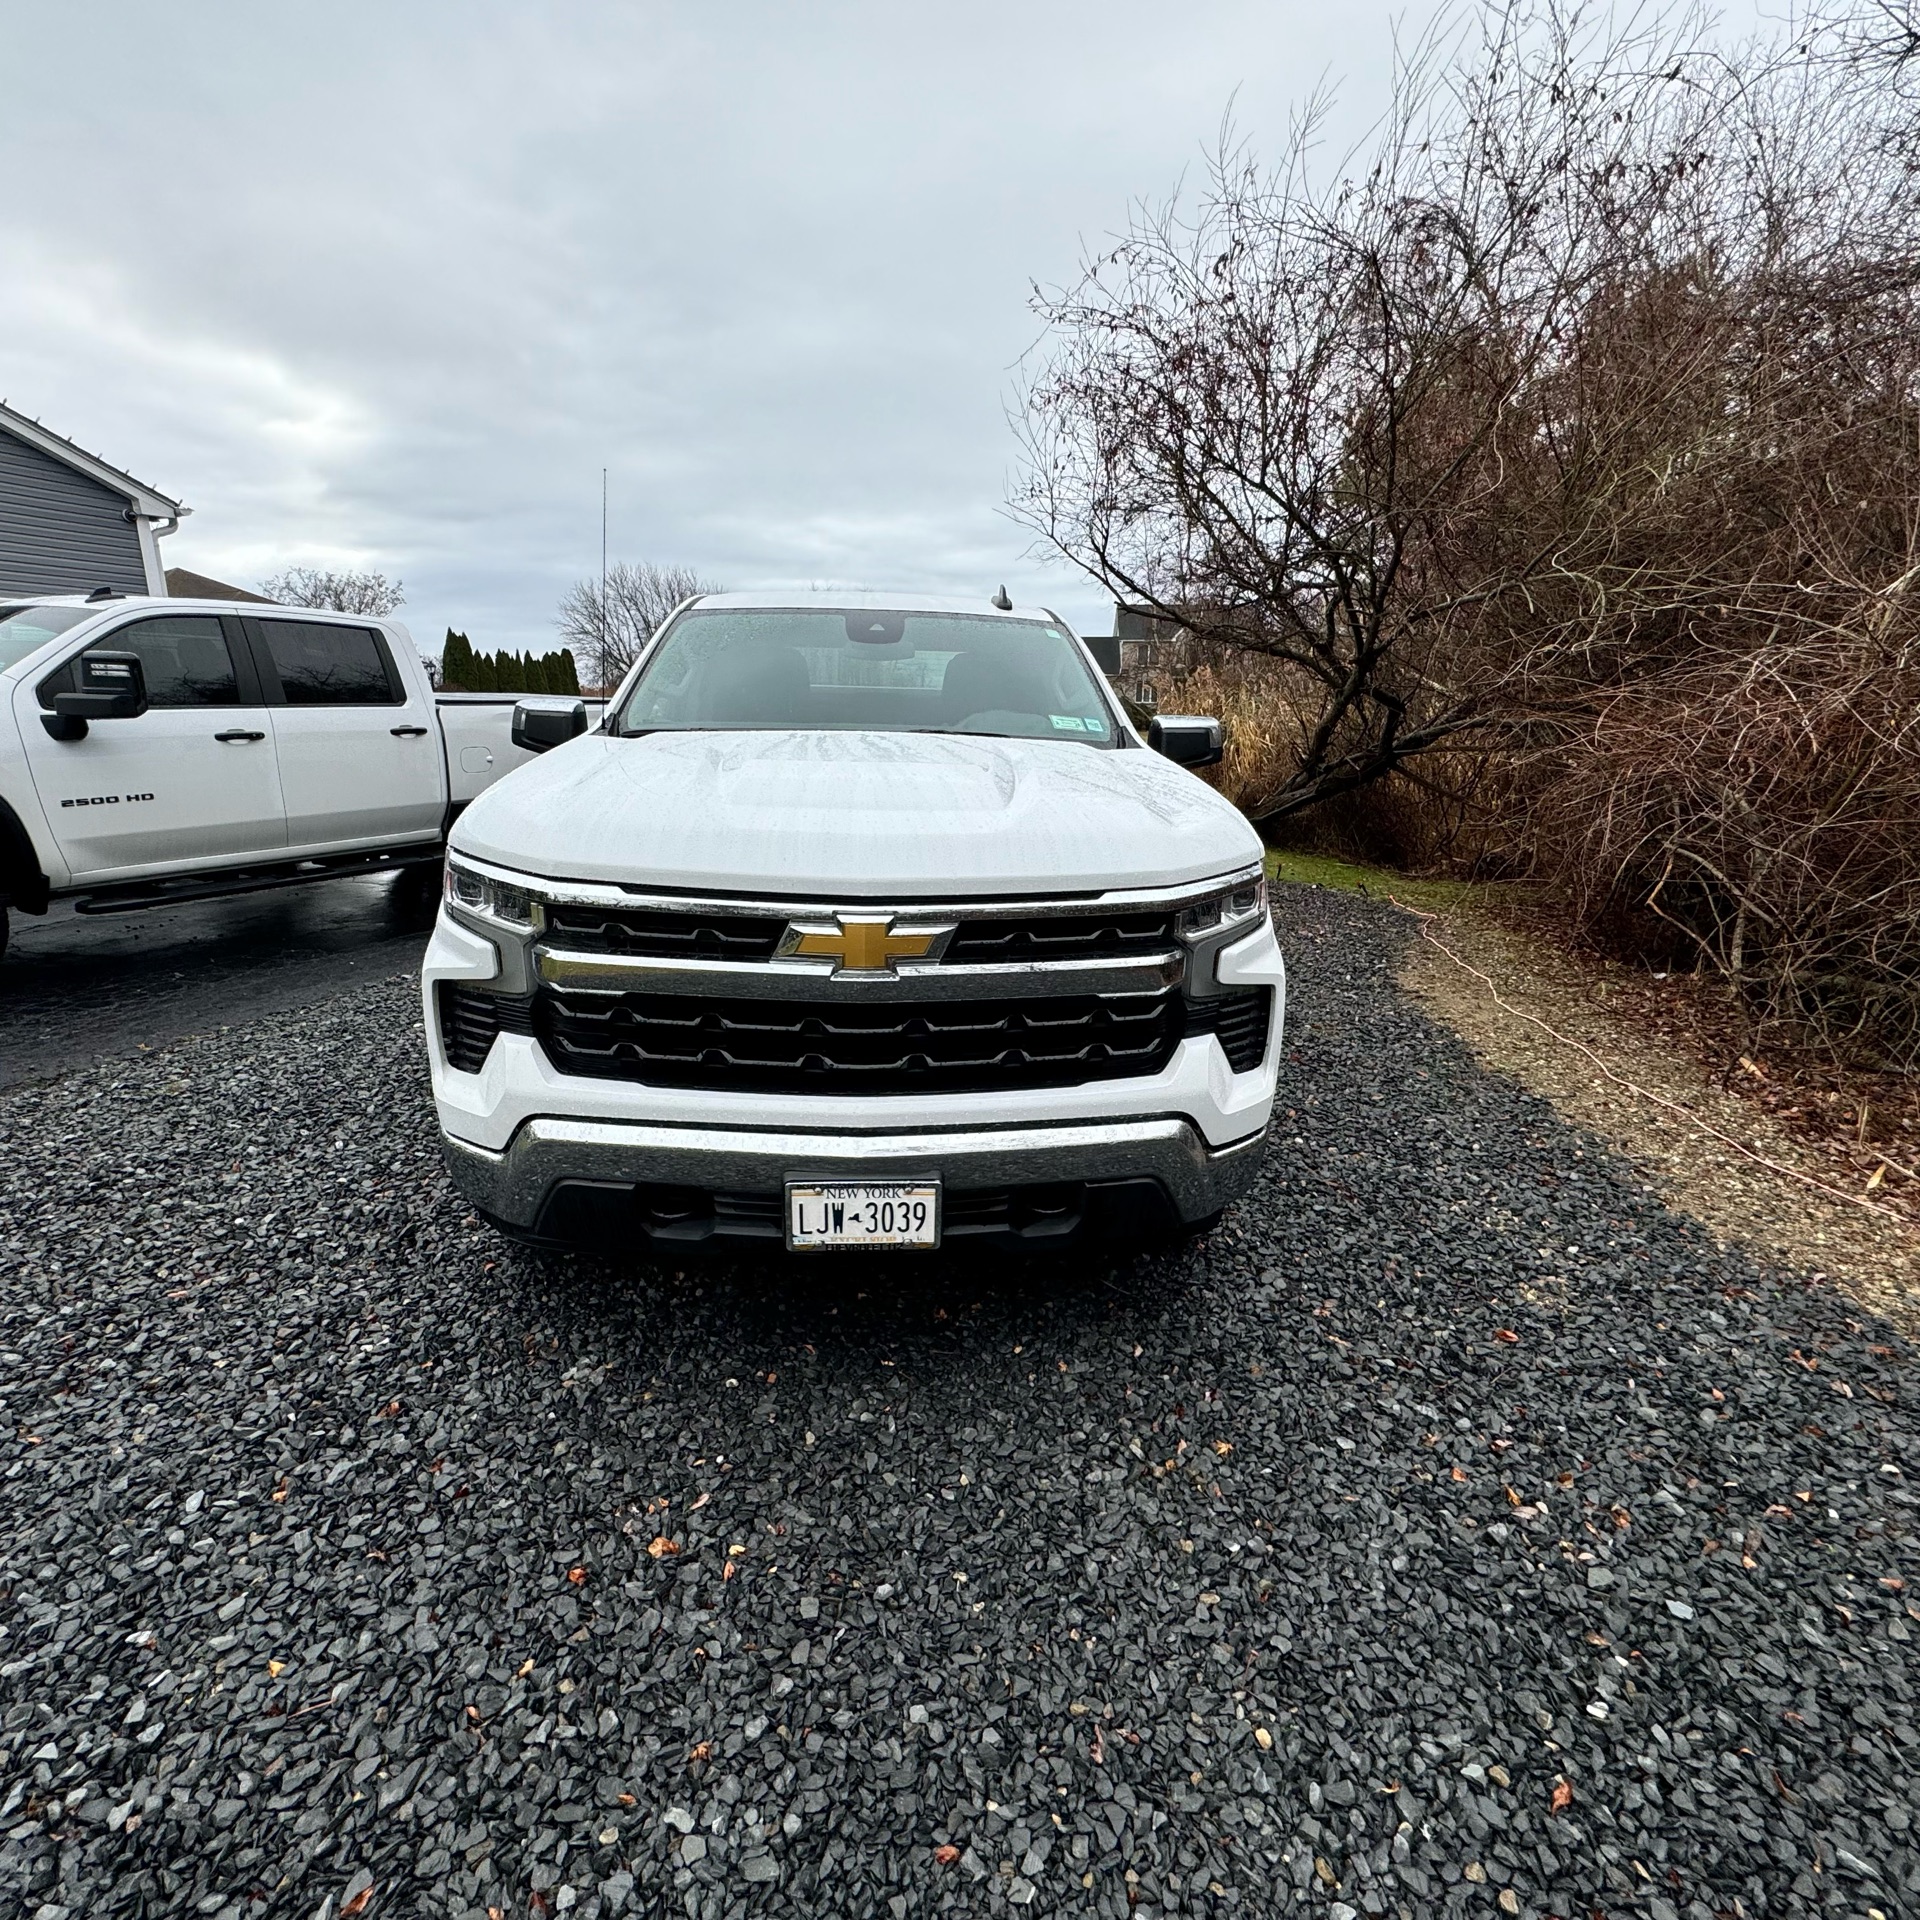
(479, 735)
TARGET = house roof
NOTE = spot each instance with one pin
(184, 584)
(146, 501)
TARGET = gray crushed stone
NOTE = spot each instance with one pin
(1453, 1531)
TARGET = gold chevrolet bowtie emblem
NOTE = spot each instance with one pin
(861, 945)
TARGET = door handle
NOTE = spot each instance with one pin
(239, 733)
(407, 733)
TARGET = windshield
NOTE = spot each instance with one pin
(875, 672)
(25, 629)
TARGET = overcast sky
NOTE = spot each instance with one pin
(388, 285)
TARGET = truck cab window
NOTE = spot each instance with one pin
(185, 656)
(321, 665)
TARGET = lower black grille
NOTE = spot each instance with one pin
(1239, 1020)
(470, 1018)
(796, 1046)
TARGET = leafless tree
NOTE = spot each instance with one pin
(607, 635)
(1563, 454)
(339, 592)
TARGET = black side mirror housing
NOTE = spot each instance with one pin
(548, 720)
(1187, 739)
(110, 686)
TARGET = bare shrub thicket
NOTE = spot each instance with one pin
(1560, 465)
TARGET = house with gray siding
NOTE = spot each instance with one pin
(69, 523)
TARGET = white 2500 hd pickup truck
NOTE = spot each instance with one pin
(858, 921)
(159, 750)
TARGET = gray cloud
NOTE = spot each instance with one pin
(389, 285)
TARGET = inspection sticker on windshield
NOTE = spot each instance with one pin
(1072, 723)
(890, 1213)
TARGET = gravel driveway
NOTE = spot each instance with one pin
(1454, 1531)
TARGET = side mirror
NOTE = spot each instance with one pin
(1187, 739)
(547, 720)
(111, 686)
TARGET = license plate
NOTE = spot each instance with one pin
(893, 1213)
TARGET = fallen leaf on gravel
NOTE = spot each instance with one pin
(1098, 1749)
(280, 1494)
(275, 1668)
(1508, 1335)
(526, 1667)
(700, 1502)
(1893, 1583)
(626, 1799)
(702, 1751)
(358, 1904)
(1223, 1448)
(1513, 1499)
(577, 1576)
(388, 1412)
(726, 1570)
(1562, 1797)
(1621, 1517)
(659, 1545)
(946, 1855)
(1459, 1473)
(1509, 1900)
(1475, 1872)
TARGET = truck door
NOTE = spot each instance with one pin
(193, 780)
(359, 748)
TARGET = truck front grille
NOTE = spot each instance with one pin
(665, 933)
(1065, 937)
(653, 934)
(798, 1046)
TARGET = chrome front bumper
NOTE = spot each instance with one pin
(515, 1186)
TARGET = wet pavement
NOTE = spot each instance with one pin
(77, 988)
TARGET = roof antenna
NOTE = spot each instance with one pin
(105, 593)
(1001, 601)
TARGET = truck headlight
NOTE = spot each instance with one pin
(1243, 899)
(492, 899)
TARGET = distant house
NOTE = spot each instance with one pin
(184, 584)
(69, 523)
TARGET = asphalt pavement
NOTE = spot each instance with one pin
(76, 988)
(1453, 1531)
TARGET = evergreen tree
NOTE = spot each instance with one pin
(456, 662)
(569, 671)
(480, 670)
(537, 673)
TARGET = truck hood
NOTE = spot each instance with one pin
(856, 815)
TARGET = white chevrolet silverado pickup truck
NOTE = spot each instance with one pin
(158, 750)
(857, 921)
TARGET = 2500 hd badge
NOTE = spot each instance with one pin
(107, 800)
